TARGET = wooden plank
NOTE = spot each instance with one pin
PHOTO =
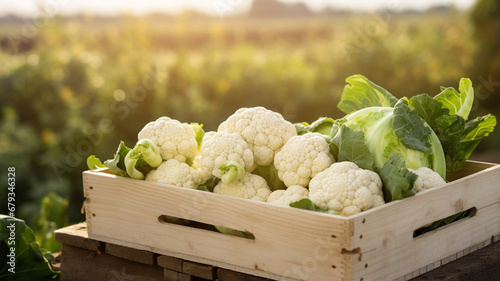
(289, 242)
(77, 235)
(81, 265)
(199, 270)
(171, 263)
(131, 254)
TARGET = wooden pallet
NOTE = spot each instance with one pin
(293, 244)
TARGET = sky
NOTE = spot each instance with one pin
(137, 7)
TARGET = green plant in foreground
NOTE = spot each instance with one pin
(30, 261)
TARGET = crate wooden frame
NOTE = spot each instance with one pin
(294, 244)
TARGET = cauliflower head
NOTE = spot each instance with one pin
(223, 147)
(427, 179)
(251, 186)
(175, 140)
(346, 188)
(285, 197)
(302, 158)
(176, 173)
(264, 130)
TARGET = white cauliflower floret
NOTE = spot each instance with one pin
(427, 179)
(221, 148)
(292, 194)
(264, 130)
(302, 158)
(208, 135)
(176, 173)
(346, 188)
(175, 140)
(249, 187)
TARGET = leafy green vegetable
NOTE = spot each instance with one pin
(446, 114)
(323, 126)
(410, 128)
(94, 163)
(474, 131)
(377, 125)
(117, 164)
(398, 180)
(144, 157)
(307, 204)
(459, 103)
(362, 93)
(351, 146)
(31, 262)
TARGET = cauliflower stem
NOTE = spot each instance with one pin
(232, 171)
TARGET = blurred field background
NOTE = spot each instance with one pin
(71, 86)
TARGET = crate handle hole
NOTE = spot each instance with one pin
(445, 221)
(355, 251)
(164, 219)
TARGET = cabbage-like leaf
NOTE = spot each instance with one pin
(458, 137)
(117, 164)
(362, 93)
(459, 103)
(351, 146)
(398, 180)
(94, 163)
(323, 126)
(474, 131)
(428, 108)
(410, 127)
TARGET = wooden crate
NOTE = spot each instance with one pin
(294, 244)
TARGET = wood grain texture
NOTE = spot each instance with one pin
(293, 244)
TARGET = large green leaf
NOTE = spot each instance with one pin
(410, 127)
(459, 103)
(474, 131)
(351, 146)
(398, 180)
(362, 93)
(117, 164)
(31, 262)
